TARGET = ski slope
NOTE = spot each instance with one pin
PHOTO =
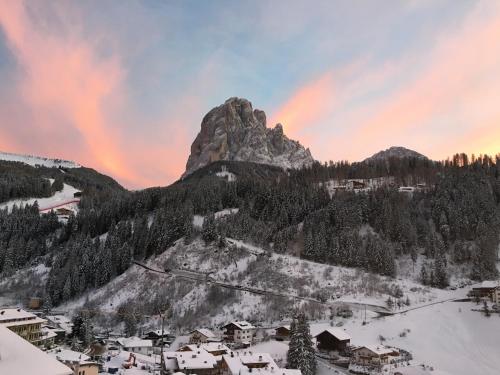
(36, 161)
(65, 198)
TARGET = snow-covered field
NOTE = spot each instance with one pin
(447, 336)
(38, 161)
(59, 197)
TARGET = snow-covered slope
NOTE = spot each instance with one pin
(64, 197)
(38, 160)
(197, 303)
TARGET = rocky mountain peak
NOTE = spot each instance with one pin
(235, 131)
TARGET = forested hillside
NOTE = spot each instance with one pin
(455, 220)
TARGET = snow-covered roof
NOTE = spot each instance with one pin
(337, 332)
(18, 356)
(209, 347)
(242, 324)
(15, 314)
(48, 333)
(199, 359)
(287, 326)
(66, 355)
(205, 332)
(158, 332)
(134, 342)
(238, 364)
(377, 349)
(489, 284)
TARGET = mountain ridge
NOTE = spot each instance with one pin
(394, 152)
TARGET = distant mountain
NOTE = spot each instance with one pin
(395, 152)
(234, 131)
(24, 176)
(37, 161)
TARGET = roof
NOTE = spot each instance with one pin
(205, 332)
(209, 347)
(158, 332)
(488, 284)
(200, 359)
(11, 314)
(134, 342)
(242, 324)
(70, 356)
(377, 349)
(14, 352)
(238, 362)
(286, 326)
(336, 332)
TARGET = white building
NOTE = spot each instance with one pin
(18, 356)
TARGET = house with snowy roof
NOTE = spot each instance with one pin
(18, 356)
(202, 335)
(240, 332)
(189, 361)
(158, 335)
(248, 362)
(80, 363)
(373, 355)
(487, 289)
(214, 348)
(135, 345)
(333, 339)
(282, 332)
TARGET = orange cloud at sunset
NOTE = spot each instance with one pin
(73, 96)
(307, 105)
(64, 81)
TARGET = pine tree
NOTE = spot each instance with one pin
(301, 353)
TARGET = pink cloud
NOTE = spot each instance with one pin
(429, 102)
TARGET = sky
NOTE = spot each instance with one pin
(122, 86)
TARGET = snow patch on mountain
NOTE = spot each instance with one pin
(37, 161)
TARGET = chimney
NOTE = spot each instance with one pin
(260, 358)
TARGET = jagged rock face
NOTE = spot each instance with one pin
(395, 152)
(235, 131)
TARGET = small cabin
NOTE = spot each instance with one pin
(282, 333)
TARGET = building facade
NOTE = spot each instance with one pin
(23, 323)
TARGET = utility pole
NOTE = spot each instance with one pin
(162, 344)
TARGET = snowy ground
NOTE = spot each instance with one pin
(38, 161)
(59, 197)
(447, 336)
